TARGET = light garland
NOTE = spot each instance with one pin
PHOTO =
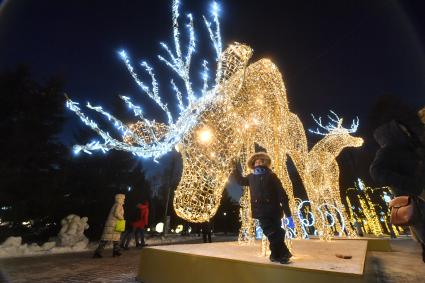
(325, 211)
(372, 216)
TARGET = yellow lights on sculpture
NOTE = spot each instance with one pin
(251, 108)
(205, 136)
(322, 179)
(239, 122)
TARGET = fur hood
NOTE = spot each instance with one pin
(119, 198)
(258, 155)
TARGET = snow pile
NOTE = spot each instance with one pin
(71, 238)
(13, 247)
(72, 232)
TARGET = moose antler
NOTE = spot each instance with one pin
(334, 127)
(149, 138)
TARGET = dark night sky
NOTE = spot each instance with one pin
(339, 55)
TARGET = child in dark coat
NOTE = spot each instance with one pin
(268, 202)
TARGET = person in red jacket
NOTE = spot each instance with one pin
(141, 223)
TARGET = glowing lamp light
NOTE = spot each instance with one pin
(205, 136)
(179, 228)
(159, 227)
(27, 223)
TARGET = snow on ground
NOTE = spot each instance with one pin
(70, 239)
(13, 246)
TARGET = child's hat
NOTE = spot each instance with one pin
(259, 155)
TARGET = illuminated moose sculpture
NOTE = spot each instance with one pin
(245, 105)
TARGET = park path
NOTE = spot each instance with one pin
(80, 267)
(403, 265)
(70, 268)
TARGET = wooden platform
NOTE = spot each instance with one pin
(313, 261)
(376, 244)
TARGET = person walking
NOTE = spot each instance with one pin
(400, 164)
(109, 232)
(206, 231)
(131, 215)
(268, 202)
(141, 223)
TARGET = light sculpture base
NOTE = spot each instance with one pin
(376, 244)
(314, 261)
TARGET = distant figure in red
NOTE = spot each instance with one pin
(141, 223)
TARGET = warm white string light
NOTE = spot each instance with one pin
(373, 217)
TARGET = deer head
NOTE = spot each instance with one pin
(335, 133)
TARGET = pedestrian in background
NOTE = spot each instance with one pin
(110, 233)
(206, 231)
(140, 225)
(131, 216)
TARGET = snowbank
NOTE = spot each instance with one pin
(71, 238)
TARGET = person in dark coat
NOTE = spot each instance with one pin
(268, 202)
(400, 163)
(206, 231)
(131, 215)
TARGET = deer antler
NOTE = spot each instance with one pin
(334, 127)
